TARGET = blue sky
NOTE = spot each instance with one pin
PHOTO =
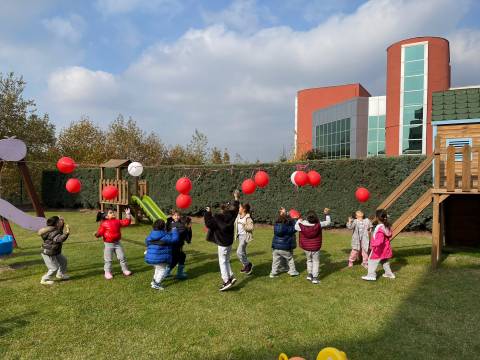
(229, 68)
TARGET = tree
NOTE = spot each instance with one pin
(84, 141)
(226, 157)
(18, 118)
(216, 156)
(197, 149)
(125, 140)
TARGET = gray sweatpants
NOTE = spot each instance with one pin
(242, 250)
(160, 272)
(55, 264)
(224, 262)
(279, 258)
(313, 262)
(109, 250)
(373, 264)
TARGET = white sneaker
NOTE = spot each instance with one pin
(315, 281)
(309, 277)
(389, 276)
(369, 278)
(296, 273)
(63, 277)
(46, 282)
(273, 275)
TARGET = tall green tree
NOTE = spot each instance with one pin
(84, 141)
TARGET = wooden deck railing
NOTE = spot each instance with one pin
(457, 175)
(123, 196)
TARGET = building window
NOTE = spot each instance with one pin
(334, 139)
(376, 135)
(414, 85)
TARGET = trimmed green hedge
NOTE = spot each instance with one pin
(213, 185)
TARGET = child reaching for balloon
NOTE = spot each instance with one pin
(361, 228)
(310, 231)
(159, 251)
(381, 250)
(110, 230)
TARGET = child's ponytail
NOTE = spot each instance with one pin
(101, 216)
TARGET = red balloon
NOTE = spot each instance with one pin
(362, 194)
(73, 186)
(314, 178)
(183, 185)
(301, 178)
(66, 165)
(248, 186)
(294, 214)
(261, 179)
(183, 201)
(109, 192)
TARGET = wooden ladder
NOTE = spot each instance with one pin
(405, 184)
(412, 212)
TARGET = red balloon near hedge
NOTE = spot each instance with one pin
(362, 194)
(66, 165)
(183, 185)
(301, 178)
(183, 201)
(73, 186)
(109, 192)
(261, 179)
(294, 214)
(248, 186)
(314, 178)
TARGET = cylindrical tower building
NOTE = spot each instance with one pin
(415, 68)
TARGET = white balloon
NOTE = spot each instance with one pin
(292, 178)
(135, 169)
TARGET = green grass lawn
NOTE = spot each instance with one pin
(423, 314)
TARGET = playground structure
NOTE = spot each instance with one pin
(14, 150)
(455, 189)
(137, 199)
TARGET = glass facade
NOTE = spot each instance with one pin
(376, 135)
(333, 139)
(413, 98)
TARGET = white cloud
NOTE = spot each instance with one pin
(239, 88)
(70, 28)
(115, 7)
(243, 15)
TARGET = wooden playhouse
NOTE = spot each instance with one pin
(455, 191)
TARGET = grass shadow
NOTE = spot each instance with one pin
(11, 324)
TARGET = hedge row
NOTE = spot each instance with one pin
(213, 185)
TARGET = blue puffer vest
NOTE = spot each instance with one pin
(284, 236)
(159, 246)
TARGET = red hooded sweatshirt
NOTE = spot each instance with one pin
(110, 229)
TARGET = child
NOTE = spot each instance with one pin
(244, 234)
(53, 237)
(283, 244)
(311, 242)
(221, 231)
(361, 228)
(381, 249)
(159, 251)
(184, 229)
(109, 229)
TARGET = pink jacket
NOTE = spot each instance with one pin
(380, 243)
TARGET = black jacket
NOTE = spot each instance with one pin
(53, 239)
(284, 236)
(221, 226)
(184, 233)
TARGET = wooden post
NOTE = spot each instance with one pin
(450, 169)
(466, 168)
(100, 186)
(478, 168)
(436, 164)
(436, 231)
(31, 189)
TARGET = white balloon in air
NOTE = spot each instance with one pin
(292, 178)
(135, 169)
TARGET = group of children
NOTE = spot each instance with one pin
(164, 244)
